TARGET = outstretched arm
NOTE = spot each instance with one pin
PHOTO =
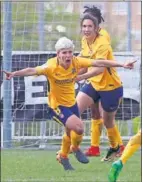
(111, 63)
(103, 63)
(23, 72)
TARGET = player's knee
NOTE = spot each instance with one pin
(79, 129)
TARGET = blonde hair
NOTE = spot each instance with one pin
(64, 43)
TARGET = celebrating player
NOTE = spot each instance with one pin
(106, 86)
(93, 48)
(132, 146)
(61, 71)
(96, 108)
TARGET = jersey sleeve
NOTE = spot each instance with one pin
(84, 62)
(43, 70)
(103, 51)
(107, 36)
(82, 44)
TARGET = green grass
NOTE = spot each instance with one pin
(39, 165)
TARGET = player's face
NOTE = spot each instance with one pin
(88, 29)
(65, 57)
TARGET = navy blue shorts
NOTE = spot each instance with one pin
(62, 113)
(110, 100)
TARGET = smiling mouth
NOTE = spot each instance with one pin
(87, 34)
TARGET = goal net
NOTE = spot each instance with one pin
(36, 26)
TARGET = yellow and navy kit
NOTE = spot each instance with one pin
(62, 113)
(101, 49)
(61, 81)
(104, 33)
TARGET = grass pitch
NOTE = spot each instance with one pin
(41, 166)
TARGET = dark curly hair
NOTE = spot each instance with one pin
(94, 11)
(90, 17)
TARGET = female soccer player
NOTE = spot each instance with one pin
(96, 108)
(106, 86)
(132, 146)
(61, 72)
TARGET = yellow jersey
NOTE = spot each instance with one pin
(105, 34)
(101, 49)
(62, 81)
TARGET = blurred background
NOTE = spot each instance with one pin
(38, 25)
